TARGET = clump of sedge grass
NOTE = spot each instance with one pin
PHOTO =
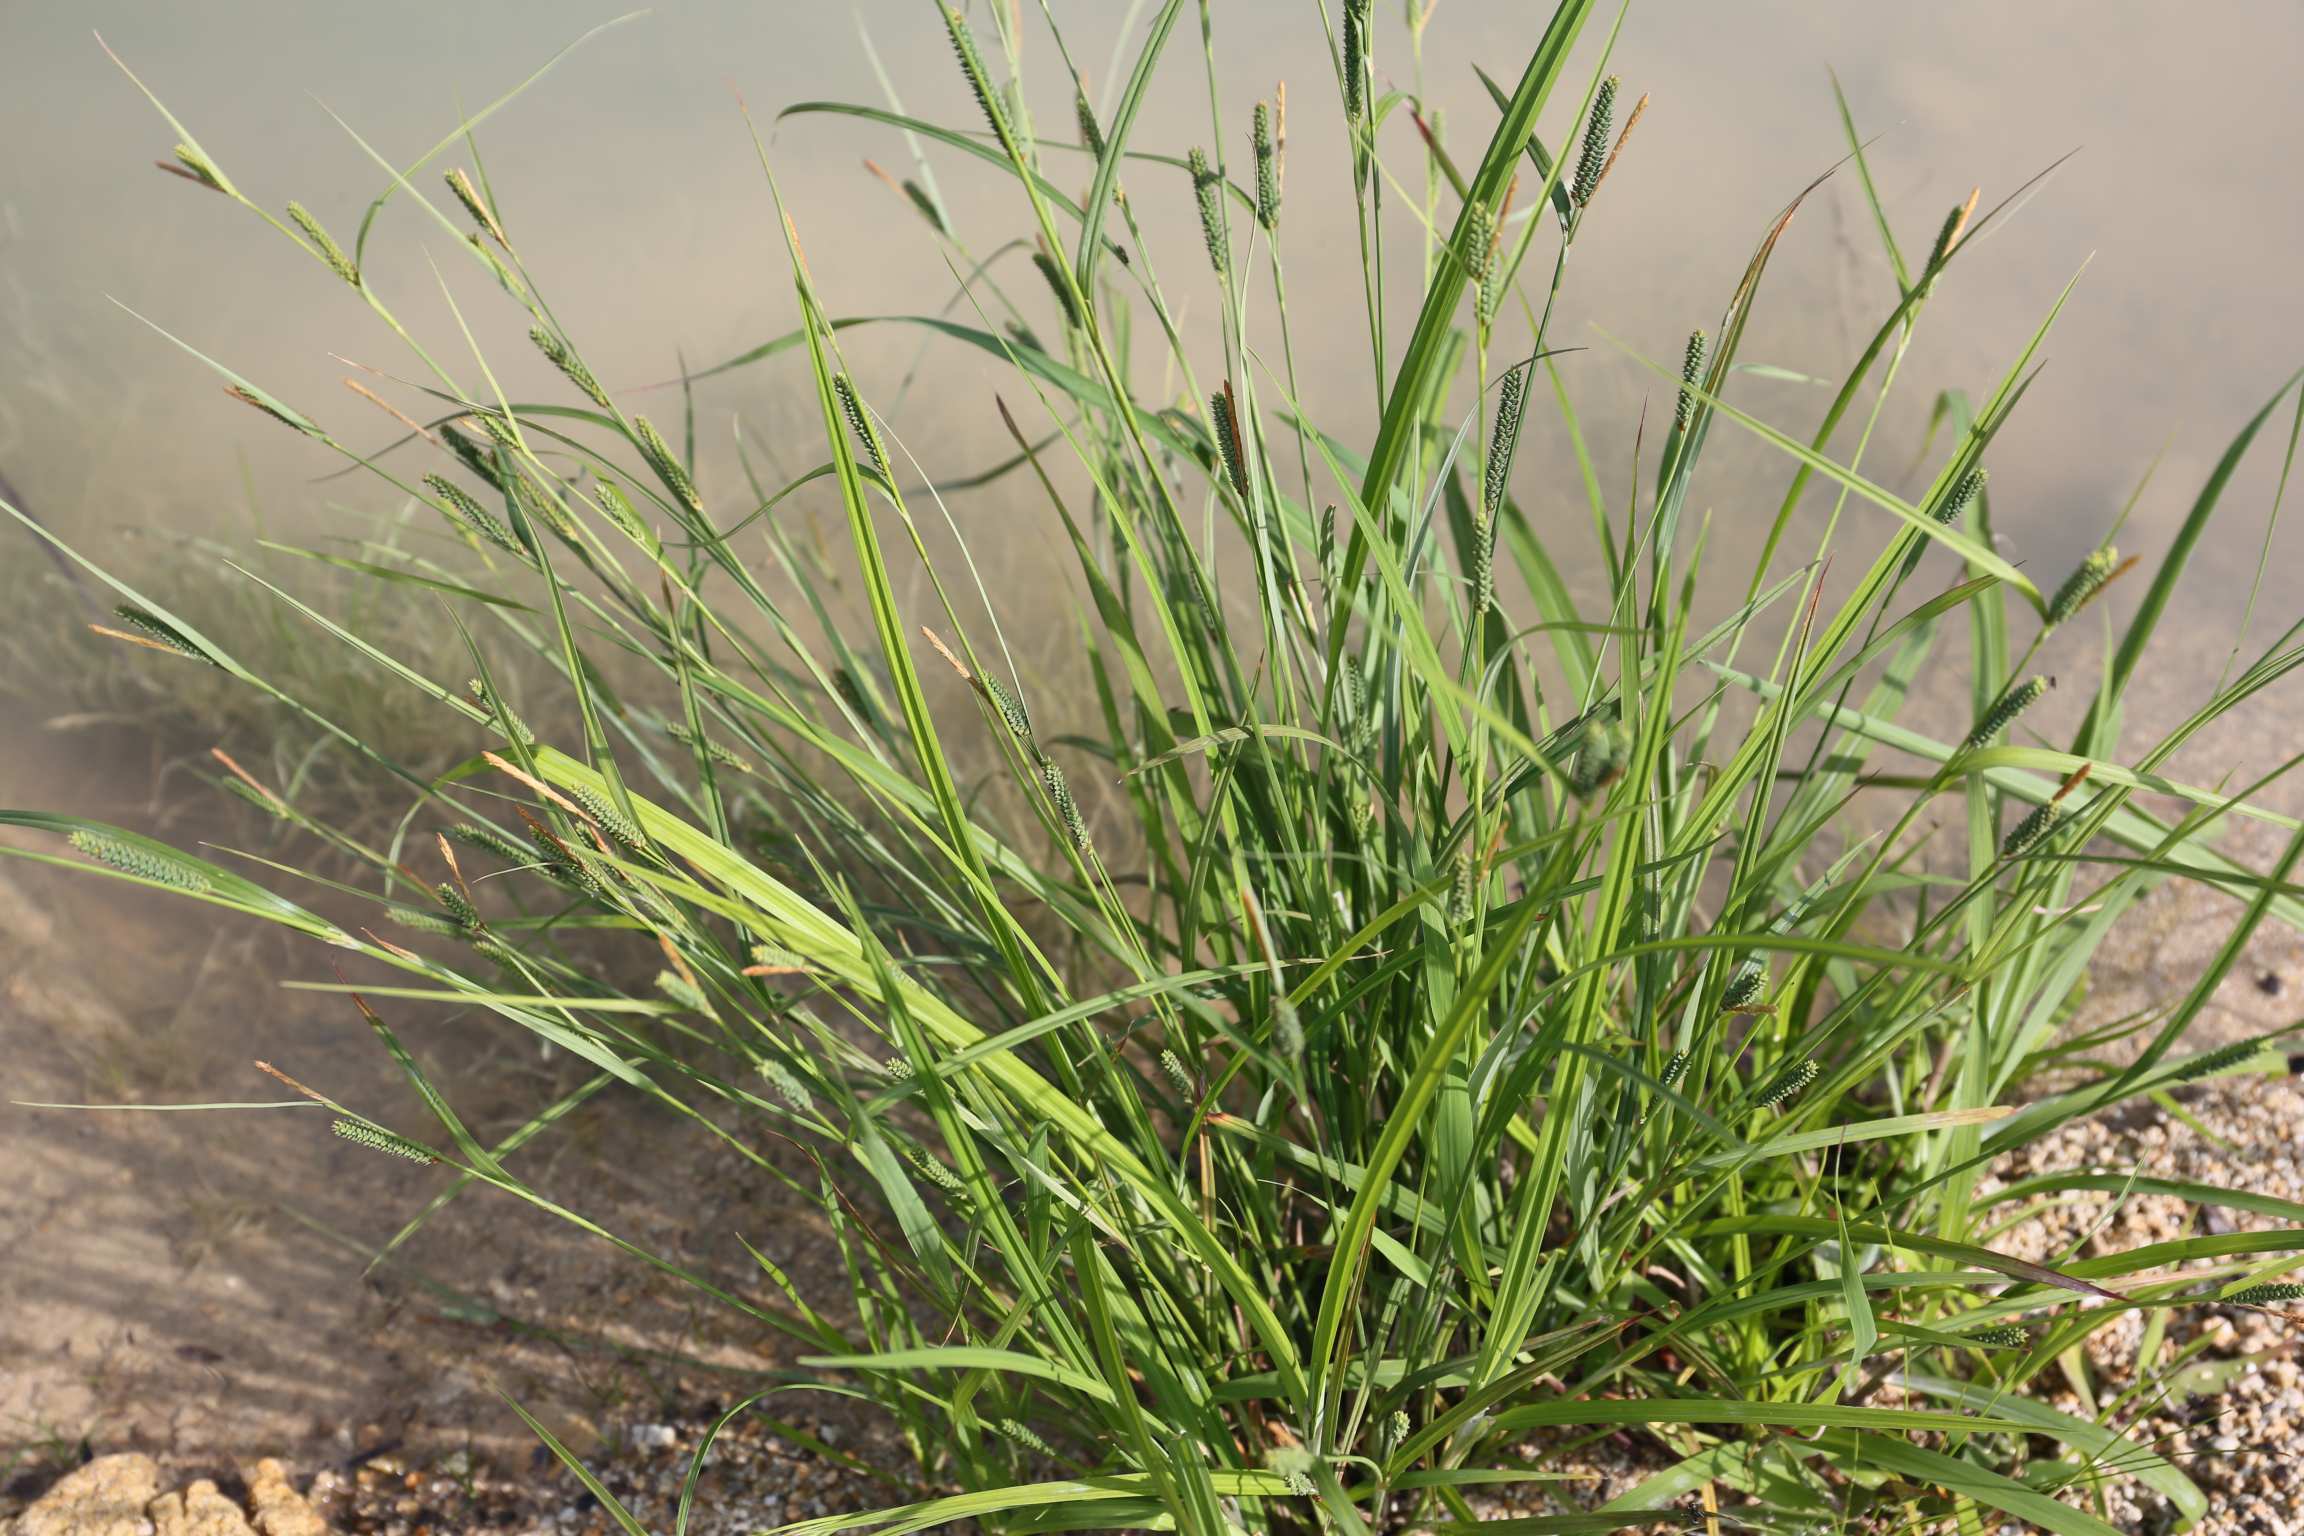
(1281, 1157)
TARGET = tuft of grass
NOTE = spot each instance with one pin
(1280, 1157)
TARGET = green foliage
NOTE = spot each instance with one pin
(1383, 1082)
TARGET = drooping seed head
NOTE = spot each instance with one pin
(490, 842)
(142, 862)
(618, 509)
(1053, 274)
(2083, 584)
(1224, 424)
(1067, 809)
(1009, 708)
(418, 920)
(788, 1087)
(479, 460)
(1691, 375)
(381, 1141)
(1208, 192)
(1355, 60)
(2032, 830)
(160, 632)
(476, 518)
(867, 440)
(330, 252)
(2222, 1059)
(557, 353)
(712, 749)
(1964, 493)
(614, 824)
(2265, 1295)
(1091, 132)
(1017, 1431)
(679, 990)
(927, 206)
(1504, 438)
(1745, 985)
(980, 83)
(1789, 1082)
(2007, 1336)
(2019, 697)
(469, 195)
(1594, 155)
(499, 713)
(667, 465)
(459, 906)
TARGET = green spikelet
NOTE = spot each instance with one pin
(1969, 487)
(1745, 985)
(2032, 830)
(459, 907)
(612, 822)
(1287, 1029)
(1594, 157)
(1067, 809)
(417, 920)
(543, 506)
(937, 1174)
(1178, 1078)
(979, 79)
(1399, 1426)
(2224, 1057)
(469, 196)
(1463, 888)
(2083, 584)
(1327, 546)
(482, 524)
(1054, 276)
(2019, 698)
(1091, 131)
(201, 169)
(860, 424)
(618, 509)
(325, 244)
(382, 1141)
(497, 427)
(494, 844)
(274, 409)
(1504, 439)
(1009, 708)
(1691, 374)
(1355, 60)
(712, 749)
(1479, 250)
(1599, 760)
(135, 859)
(667, 465)
(481, 462)
(1789, 1082)
(1225, 426)
(1675, 1068)
(788, 1087)
(160, 632)
(557, 354)
(2265, 1295)
(500, 715)
(897, 1068)
(1483, 566)
(1022, 1434)
(1208, 191)
(1267, 168)
(679, 989)
(506, 278)
(927, 206)
(564, 868)
(1946, 234)
(2005, 1337)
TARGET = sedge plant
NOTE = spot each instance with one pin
(1383, 1013)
